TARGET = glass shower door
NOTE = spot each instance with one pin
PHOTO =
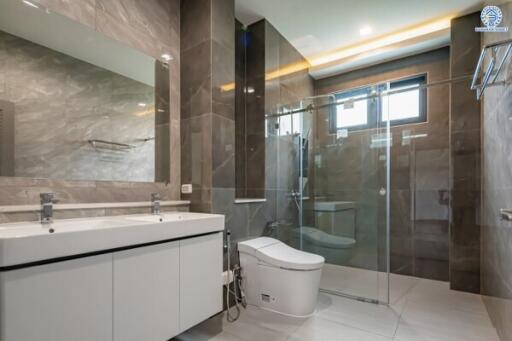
(343, 181)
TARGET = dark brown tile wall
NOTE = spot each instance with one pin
(240, 116)
(465, 158)
(250, 118)
(496, 234)
(207, 109)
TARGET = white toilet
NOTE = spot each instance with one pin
(280, 278)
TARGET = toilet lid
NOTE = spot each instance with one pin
(276, 253)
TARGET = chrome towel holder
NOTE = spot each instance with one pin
(494, 67)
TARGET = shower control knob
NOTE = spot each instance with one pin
(382, 191)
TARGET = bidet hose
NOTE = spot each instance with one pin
(229, 317)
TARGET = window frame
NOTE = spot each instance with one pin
(374, 112)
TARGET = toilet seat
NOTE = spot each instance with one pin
(278, 254)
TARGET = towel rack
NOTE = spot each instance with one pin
(494, 67)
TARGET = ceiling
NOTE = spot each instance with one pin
(317, 26)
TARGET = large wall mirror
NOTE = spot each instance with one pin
(75, 104)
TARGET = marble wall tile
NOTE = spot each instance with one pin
(196, 86)
(82, 11)
(68, 103)
(223, 152)
(156, 29)
(196, 22)
(207, 112)
(252, 115)
(223, 57)
(196, 146)
(465, 156)
(149, 17)
(276, 157)
(240, 117)
(496, 234)
(223, 101)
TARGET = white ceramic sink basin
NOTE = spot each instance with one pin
(23, 243)
(158, 218)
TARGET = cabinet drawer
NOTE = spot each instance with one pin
(200, 279)
(146, 293)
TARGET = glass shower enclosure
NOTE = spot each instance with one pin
(332, 188)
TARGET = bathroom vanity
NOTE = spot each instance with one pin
(123, 278)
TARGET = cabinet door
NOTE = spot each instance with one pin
(146, 293)
(200, 279)
(64, 301)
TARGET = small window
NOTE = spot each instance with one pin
(403, 105)
(400, 107)
(354, 113)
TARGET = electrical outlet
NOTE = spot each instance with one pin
(186, 189)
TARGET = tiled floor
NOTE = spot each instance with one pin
(420, 309)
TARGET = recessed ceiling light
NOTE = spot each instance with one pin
(141, 104)
(31, 4)
(365, 30)
(166, 57)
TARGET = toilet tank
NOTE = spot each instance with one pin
(336, 217)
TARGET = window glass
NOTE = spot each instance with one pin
(352, 113)
(402, 105)
(354, 110)
(406, 105)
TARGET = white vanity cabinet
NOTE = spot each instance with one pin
(64, 301)
(147, 293)
(200, 279)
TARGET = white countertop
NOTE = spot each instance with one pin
(29, 242)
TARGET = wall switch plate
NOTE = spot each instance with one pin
(186, 189)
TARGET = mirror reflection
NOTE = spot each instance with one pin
(74, 104)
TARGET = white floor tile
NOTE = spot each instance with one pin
(437, 293)
(256, 324)
(408, 332)
(376, 319)
(431, 321)
(419, 309)
(318, 329)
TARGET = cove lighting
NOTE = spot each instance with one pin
(380, 42)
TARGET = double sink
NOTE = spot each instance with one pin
(32, 242)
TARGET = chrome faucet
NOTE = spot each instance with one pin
(155, 203)
(47, 201)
